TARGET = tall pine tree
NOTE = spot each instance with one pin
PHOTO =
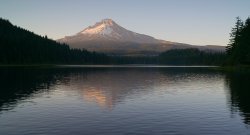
(234, 35)
(238, 49)
(244, 44)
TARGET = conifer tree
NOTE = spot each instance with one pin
(238, 49)
(235, 34)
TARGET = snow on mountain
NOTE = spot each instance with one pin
(107, 29)
(103, 28)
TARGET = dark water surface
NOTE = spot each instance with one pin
(111, 100)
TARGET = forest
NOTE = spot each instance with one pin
(20, 46)
(191, 56)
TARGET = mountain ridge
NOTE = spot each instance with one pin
(108, 37)
(107, 29)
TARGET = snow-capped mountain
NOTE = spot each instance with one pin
(107, 29)
(108, 37)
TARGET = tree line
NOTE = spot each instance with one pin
(191, 56)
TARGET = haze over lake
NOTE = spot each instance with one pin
(123, 100)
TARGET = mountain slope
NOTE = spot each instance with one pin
(108, 37)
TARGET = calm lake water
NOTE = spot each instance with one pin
(123, 100)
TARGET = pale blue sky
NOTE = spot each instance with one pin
(198, 22)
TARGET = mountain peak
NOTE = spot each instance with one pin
(108, 21)
(104, 27)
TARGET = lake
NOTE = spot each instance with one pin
(107, 100)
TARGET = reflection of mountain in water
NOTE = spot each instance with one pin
(113, 86)
(107, 87)
(96, 95)
(239, 88)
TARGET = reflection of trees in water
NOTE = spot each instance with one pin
(239, 89)
(19, 84)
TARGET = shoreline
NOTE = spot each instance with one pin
(239, 69)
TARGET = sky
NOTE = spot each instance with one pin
(197, 22)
